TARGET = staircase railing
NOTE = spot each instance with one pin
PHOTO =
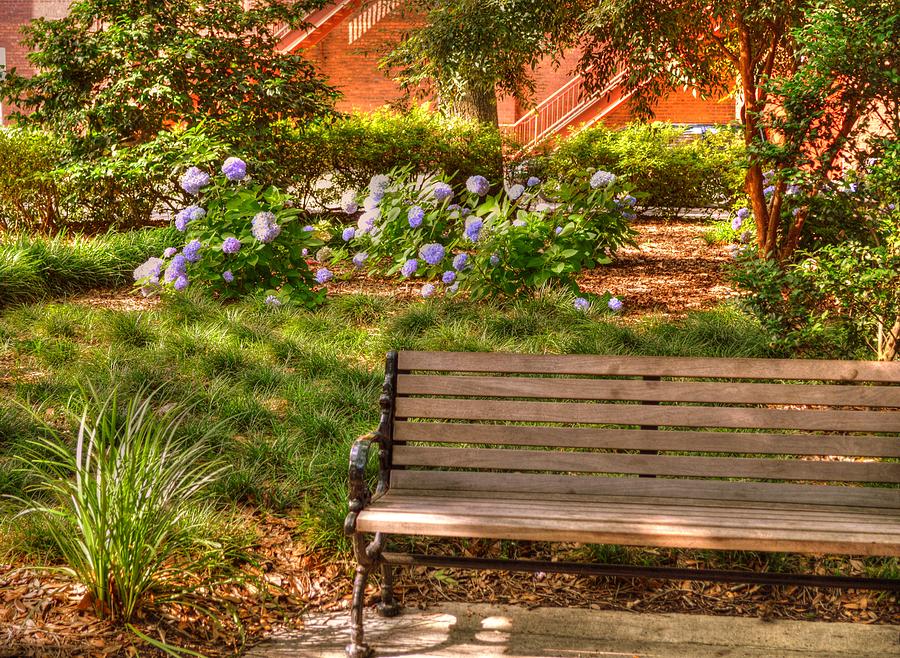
(314, 21)
(558, 110)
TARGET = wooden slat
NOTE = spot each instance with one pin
(657, 391)
(610, 501)
(687, 441)
(630, 414)
(593, 462)
(588, 485)
(669, 513)
(634, 532)
(639, 366)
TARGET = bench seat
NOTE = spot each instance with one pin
(681, 519)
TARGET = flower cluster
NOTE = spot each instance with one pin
(193, 180)
(265, 228)
(187, 215)
(234, 169)
(602, 179)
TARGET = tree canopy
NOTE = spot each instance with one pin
(120, 71)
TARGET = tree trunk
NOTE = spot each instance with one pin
(476, 103)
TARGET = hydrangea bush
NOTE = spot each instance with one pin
(240, 238)
(507, 243)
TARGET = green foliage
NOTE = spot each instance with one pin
(468, 50)
(114, 73)
(29, 191)
(350, 149)
(511, 242)
(35, 267)
(121, 506)
(252, 234)
(663, 167)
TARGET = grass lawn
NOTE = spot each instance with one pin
(288, 390)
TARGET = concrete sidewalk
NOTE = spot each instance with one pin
(469, 631)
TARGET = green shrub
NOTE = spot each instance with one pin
(248, 239)
(121, 507)
(352, 148)
(507, 243)
(665, 168)
(30, 189)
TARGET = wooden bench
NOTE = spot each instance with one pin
(641, 451)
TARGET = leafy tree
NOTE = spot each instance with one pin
(810, 73)
(469, 50)
(120, 71)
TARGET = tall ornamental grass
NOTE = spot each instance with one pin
(36, 267)
(122, 504)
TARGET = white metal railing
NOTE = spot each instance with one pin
(369, 18)
(557, 110)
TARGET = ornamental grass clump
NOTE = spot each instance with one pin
(238, 238)
(511, 242)
(121, 504)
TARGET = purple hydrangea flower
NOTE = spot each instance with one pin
(365, 223)
(378, 183)
(264, 228)
(304, 251)
(442, 191)
(432, 253)
(177, 267)
(234, 169)
(409, 267)
(324, 275)
(448, 277)
(428, 290)
(452, 290)
(371, 202)
(629, 201)
(532, 181)
(736, 223)
(193, 180)
(473, 228)
(187, 215)
(478, 185)
(558, 230)
(181, 282)
(348, 234)
(149, 270)
(769, 191)
(309, 228)
(516, 191)
(602, 179)
(348, 202)
(743, 213)
(415, 216)
(518, 222)
(192, 251)
(273, 301)
(228, 276)
(231, 245)
(460, 261)
(581, 304)
(494, 260)
(168, 253)
(359, 259)
(792, 190)
(615, 304)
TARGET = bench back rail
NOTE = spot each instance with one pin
(567, 424)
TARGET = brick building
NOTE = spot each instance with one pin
(13, 15)
(348, 37)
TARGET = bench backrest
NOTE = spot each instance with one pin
(494, 422)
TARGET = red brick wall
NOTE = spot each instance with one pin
(13, 15)
(353, 69)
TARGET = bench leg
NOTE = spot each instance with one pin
(358, 647)
(388, 607)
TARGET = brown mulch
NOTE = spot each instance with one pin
(670, 272)
(43, 613)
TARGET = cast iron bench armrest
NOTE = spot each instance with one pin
(360, 493)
